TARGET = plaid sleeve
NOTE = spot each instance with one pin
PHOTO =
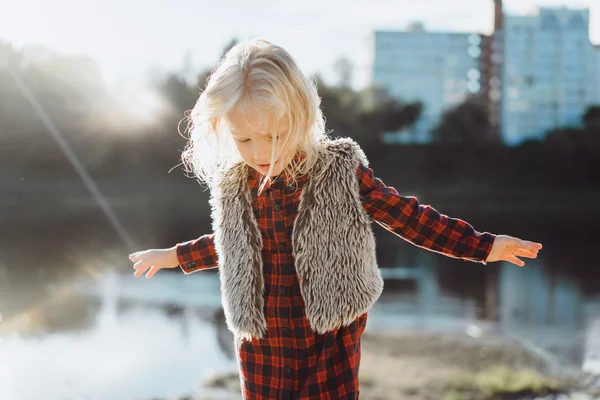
(198, 254)
(421, 225)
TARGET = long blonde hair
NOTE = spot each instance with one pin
(254, 75)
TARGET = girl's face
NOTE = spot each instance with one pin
(255, 145)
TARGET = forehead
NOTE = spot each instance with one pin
(254, 120)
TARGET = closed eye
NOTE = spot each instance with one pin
(247, 140)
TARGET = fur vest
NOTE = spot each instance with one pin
(332, 243)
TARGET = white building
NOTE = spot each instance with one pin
(437, 68)
(550, 72)
(597, 48)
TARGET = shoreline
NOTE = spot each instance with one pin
(411, 365)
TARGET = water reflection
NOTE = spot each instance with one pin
(545, 307)
(111, 335)
(122, 348)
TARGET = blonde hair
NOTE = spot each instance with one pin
(254, 75)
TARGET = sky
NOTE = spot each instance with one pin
(132, 38)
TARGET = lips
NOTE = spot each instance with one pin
(265, 166)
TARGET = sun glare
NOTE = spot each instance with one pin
(140, 104)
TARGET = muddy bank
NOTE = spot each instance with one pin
(451, 367)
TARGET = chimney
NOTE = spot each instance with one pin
(498, 15)
(492, 64)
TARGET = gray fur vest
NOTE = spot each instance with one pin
(333, 246)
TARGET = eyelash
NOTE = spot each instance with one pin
(247, 140)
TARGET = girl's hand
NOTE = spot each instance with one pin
(153, 260)
(507, 248)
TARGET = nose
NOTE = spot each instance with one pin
(262, 153)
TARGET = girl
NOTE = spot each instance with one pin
(292, 239)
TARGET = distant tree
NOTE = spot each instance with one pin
(591, 118)
(177, 91)
(412, 112)
(9, 57)
(345, 71)
(229, 46)
(576, 151)
(363, 116)
(466, 123)
(202, 79)
(203, 76)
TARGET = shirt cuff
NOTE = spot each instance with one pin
(183, 257)
(486, 242)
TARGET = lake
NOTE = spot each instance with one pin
(101, 333)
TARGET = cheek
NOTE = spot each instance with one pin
(245, 151)
(288, 154)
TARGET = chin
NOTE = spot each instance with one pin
(265, 171)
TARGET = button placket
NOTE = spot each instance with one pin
(276, 195)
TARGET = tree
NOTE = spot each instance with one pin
(203, 76)
(362, 116)
(229, 46)
(345, 71)
(177, 91)
(466, 123)
(591, 118)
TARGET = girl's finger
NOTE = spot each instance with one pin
(525, 245)
(535, 245)
(153, 270)
(140, 266)
(525, 253)
(515, 261)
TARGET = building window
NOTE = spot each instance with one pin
(495, 81)
(475, 39)
(474, 87)
(497, 58)
(550, 23)
(577, 22)
(495, 95)
(529, 80)
(474, 51)
(474, 74)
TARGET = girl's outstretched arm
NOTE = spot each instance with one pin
(425, 227)
(194, 255)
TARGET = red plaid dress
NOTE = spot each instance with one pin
(293, 362)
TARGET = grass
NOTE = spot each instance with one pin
(499, 382)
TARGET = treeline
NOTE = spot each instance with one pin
(113, 129)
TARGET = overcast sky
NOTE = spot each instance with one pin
(132, 37)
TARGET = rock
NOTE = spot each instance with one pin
(230, 382)
(580, 396)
